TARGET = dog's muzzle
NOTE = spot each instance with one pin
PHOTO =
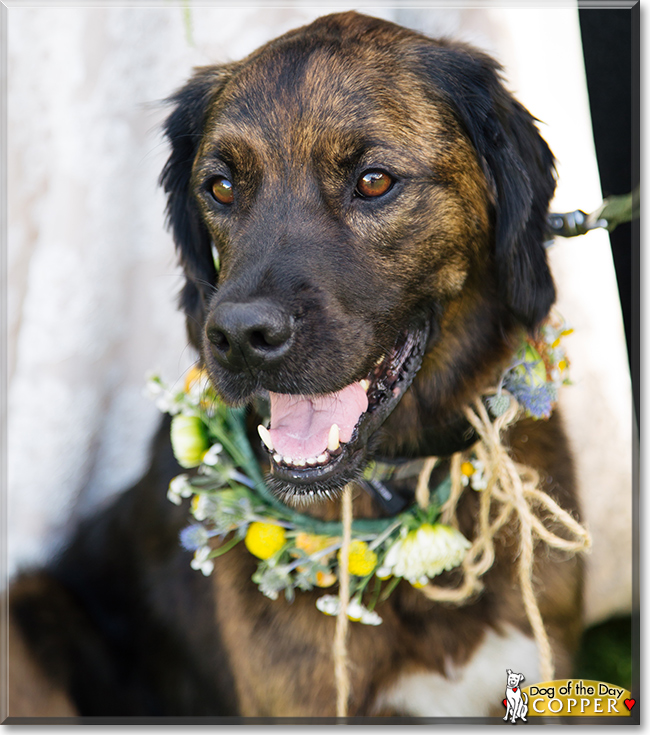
(316, 443)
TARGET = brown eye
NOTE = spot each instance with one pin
(374, 184)
(222, 190)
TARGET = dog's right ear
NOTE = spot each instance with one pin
(184, 129)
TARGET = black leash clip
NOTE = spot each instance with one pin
(612, 212)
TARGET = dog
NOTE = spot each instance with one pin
(517, 703)
(377, 202)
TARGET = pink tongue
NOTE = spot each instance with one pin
(300, 425)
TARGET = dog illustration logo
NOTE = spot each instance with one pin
(516, 702)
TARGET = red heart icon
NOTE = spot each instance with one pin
(514, 689)
(505, 703)
(629, 703)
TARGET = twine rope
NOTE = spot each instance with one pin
(341, 671)
(422, 489)
(512, 490)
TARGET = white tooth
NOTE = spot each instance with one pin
(277, 458)
(333, 439)
(379, 361)
(265, 436)
(365, 384)
(311, 460)
(321, 458)
(287, 460)
(300, 463)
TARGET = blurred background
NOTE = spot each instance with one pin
(92, 279)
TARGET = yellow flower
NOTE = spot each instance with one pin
(189, 440)
(264, 539)
(467, 468)
(194, 375)
(362, 560)
(311, 543)
(325, 579)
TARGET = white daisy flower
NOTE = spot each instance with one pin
(211, 457)
(167, 403)
(202, 562)
(370, 617)
(179, 488)
(331, 605)
(426, 552)
(203, 506)
(355, 610)
(472, 472)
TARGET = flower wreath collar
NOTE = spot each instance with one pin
(231, 503)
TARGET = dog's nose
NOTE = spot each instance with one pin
(249, 334)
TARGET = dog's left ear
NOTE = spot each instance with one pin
(518, 165)
(184, 129)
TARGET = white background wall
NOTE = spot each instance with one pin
(92, 279)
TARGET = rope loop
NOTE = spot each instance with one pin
(511, 496)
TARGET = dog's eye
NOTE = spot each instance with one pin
(222, 190)
(374, 184)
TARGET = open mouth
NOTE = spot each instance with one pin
(317, 444)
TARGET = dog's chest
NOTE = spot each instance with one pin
(474, 690)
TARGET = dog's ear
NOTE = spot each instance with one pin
(519, 168)
(184, 129)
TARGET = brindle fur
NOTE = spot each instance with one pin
(120, 623)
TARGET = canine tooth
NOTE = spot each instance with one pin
(365, 384)
(321, 458)
(333, 439)
(265, 436)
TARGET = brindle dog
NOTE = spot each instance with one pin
(378, 201)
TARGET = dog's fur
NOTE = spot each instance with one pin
(120, 624)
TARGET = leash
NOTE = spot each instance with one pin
(614, 211)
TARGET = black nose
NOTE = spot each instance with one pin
(249, 334)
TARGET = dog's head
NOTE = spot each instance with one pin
(514, 679)
(377, 201)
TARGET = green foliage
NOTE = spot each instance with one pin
(606, 653)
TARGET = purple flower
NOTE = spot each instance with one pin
(194, 537)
